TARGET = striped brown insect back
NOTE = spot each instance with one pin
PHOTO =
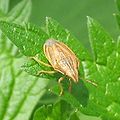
(62, 58)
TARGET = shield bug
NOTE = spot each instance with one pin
(62, 59)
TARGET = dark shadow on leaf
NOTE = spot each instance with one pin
(80, 92)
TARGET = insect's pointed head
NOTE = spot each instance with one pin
(50, 42)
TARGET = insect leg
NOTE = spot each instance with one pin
(61, 88)
(43, 71)
(70, 86)
(41, 62)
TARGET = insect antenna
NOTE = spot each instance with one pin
(91, 82)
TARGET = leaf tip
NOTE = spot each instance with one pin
(48, 18)
(89, 19)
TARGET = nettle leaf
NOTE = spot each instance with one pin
(28, 39)
(100, 71)
(21, 12)
(19, 92)
(101, 43)
(4, 5)
(59, 111)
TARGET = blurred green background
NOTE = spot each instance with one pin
(72, 15)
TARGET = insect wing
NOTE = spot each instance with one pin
(62, 58)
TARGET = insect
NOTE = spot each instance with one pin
(62, 59)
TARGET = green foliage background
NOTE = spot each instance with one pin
(72, 14)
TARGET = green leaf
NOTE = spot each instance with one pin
(59, 111)
(101, 43)
(100, 71)
(4, 4)
(112, 91)
(21, 12)
(33, 67)
(18, 12)
(28, 39)
(18, 90)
